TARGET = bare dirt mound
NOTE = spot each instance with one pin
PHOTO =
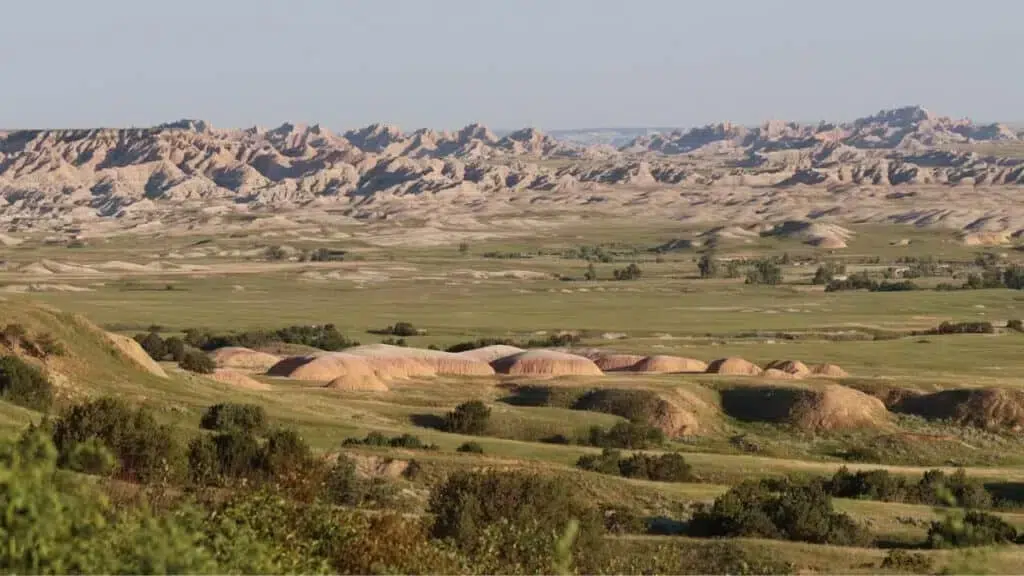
(546, 363)
(357, 382)
(836, 407)
(734, 367)
(794, 367)
(831, 407)
(829, 371)
(238, 380)
(442, 363)
(390, 365)
(776, 374)
(324, 368)
(489, 354)
(660, 364)
(988, 408)
(132, 350)
(671, 413)
(243, 359)
(616, 362)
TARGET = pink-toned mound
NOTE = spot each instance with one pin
(324, 367)
(794, 367)
(358, 383)
(616, 362)
(489, 354)
(777, 374)
(134, 352)
(238, 380)
(659, 364)
(829, 371)
(243, 359)
(443, 363)
(734, 367)
(546, 363)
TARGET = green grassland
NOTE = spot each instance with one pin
(670, 310)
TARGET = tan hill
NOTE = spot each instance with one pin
(188, 174)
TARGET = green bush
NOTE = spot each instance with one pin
(471, 418)
(408, 441)
(324, 337)
(764, 271)
(343, 485)
(638, 406)
(663, 468)
(286, 453)
(904, 561)
(146, 450)
(471, 448)
(973, 529)
(708, 266)
(509, 522)
(934, 487)
(627, 435)
(153, 344)
(229, 416)
(607, 462)
(1016, 324)
(631, 272)
(176, 348)
(198, 362)
(788, 512)
(92, 457)
(25, 385)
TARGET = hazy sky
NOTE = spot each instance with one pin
(506, 63)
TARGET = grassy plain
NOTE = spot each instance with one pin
(457, 295)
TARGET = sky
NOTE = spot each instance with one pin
(551, 64)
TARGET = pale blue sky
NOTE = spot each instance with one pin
(506, 63)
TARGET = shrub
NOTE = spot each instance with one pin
(377, 439)
(175, 348)
(153, 344)
(639, 406)
(764, 271)
(468, 418)
(973, 529)
(324, 337)
(631, 272)
(343, 485)
(285, 452)
(510, 521)
(146, 451)
(198, 362)
(904, 561)
(229, 416)
(708, 266)
(403, 329)
(606, 463)
(626, 435)
(786, 512)
(663, 468)
(827, 272)
(92, 457)
(471, 448)
(1016, 324)
(25, 385)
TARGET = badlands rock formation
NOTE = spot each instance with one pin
(904, 166)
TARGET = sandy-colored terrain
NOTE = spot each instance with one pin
(898, 166)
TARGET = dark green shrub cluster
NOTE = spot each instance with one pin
(631, 272)
(827, 272)
(639, 406)
(229, 416)
(975, 528)
(764, 271)
(471, 448)
(932, 489)
(552, 341)
(404, 329)
(377, 439)
(904, 561)
(240, 454)
(508, 522)
(589, 253)
(324, 337)
(1016, 324)
(626, 435)
(784, 512)
(663, 468)
(861, 281)
(962, 328)
(161, 349)
(23, 384)
(145, 450)
(471, 418)
(197, 361)
(551, 396)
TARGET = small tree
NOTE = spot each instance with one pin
(708, 266)
(468, 418)
(764, 271)
(153, 344)
(198, 362)
(24, 384)
(631, 272)
(175, 348)
(591, 274)
(463, 248)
